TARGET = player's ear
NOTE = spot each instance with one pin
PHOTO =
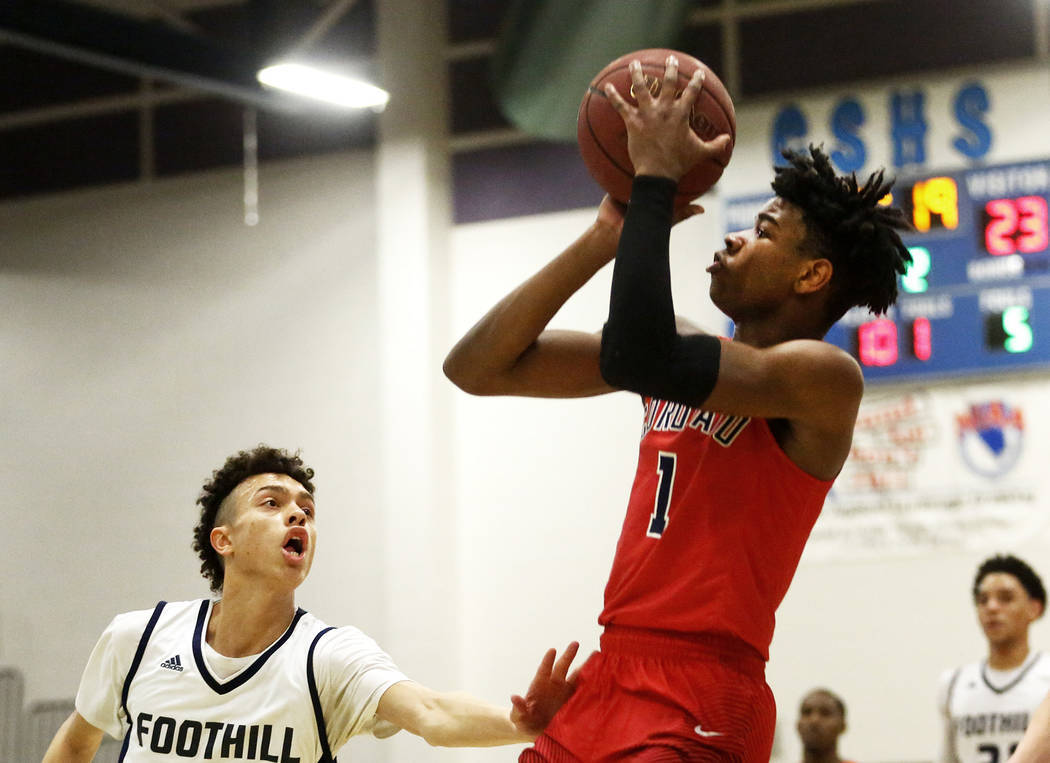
(813, 276)
(220, 540)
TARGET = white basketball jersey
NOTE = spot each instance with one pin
(152, 684)
(989, 710)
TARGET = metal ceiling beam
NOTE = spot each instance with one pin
(137, 48)
(331, 15)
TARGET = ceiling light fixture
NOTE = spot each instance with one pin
(336, 89)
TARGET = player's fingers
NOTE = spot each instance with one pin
(546, 664)
(561, 667)
(519, 703)
(670, 82)
(693, 88)
(720, 145)
(615, 99)
(639, 87)
(696, 82)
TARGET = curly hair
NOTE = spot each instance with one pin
(846, 224)
(1011, 565)
(260, 460)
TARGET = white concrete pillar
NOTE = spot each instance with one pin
(413, 202)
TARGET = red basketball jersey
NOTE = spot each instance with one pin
(715, 527)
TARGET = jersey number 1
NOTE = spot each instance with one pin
(665, 468)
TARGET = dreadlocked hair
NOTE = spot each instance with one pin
(247, 463)
(846, 224)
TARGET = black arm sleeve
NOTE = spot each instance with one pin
(641, 348)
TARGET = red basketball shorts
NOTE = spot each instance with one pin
(651, 696)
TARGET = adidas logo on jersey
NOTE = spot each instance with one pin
(173, 663)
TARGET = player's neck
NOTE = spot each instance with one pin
(821, 756)
(766, 333)
(246, 621)
(1008, 655)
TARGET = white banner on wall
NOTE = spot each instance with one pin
(948, 468)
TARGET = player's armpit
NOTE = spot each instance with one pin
(76, 741)
(804, 381)
(447, 719)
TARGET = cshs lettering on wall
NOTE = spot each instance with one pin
(908, 120)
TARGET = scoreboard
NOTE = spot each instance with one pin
(976, 298)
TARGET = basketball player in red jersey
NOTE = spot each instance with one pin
(742, 437)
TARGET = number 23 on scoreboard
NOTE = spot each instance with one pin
(1016, 225)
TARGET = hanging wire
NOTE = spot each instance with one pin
(251, 168)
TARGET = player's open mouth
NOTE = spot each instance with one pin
(295, 543)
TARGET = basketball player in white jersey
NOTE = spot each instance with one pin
(987, 705)
(250, 676)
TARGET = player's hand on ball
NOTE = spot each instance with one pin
(685, 212)
(660, 138)
(551, 688)
(611, 212)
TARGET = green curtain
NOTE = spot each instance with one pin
(549, 50)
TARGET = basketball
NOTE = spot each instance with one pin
(602, 135)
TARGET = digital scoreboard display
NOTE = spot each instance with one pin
(976, 297)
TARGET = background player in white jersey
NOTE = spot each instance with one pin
(986, 705)
(250, 676)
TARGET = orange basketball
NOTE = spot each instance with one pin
(602, 135)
